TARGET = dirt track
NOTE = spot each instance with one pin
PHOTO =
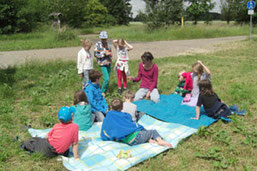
(158, 48)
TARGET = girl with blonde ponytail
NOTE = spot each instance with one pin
(199, 72)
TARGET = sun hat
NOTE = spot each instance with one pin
(103, 35)
(65, 113)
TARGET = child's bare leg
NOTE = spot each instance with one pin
(153, 141)
(161, 142)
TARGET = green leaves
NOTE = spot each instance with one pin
(219, 160)
(163, 13)
(198, 8)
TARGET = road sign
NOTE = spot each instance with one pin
(250, 12)
(251, 5)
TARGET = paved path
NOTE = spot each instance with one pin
(158, 48)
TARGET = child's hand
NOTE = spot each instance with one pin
(195, 118)
(200, 62)
(76, 158)
(181, 78)
(108, 53)
(130, 78)
(148, 95)
(80, 75)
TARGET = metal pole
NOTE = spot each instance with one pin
(251, 27)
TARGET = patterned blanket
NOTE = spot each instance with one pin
(96, 154)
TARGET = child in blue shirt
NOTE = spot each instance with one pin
(119, 126)
(95, 97)
(83, 116)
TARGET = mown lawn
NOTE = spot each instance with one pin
(46, 37)
(32, 94)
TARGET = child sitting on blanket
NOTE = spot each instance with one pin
(59, 139)
(185, 84)
(95, 97)
(119, 126)
(213, 106)
(129, 107)
(83, 116)
(199, 72)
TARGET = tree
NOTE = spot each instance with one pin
(95, 13)
(20, 15)
(198, 8)
(228, 10)
(120, 10)
(72, 11)
(163, 12)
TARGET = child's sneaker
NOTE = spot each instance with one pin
(120, 91)
(234, 108)
(241, 113)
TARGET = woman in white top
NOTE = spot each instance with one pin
(85, 61)
(121, 65)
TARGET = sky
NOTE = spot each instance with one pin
(140, 5)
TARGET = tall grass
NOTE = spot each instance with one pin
(39, 39)
(31, 94)
(47, 38)
(141, 33)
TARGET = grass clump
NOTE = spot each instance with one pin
(65, 34)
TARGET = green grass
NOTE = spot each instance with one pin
(46, 37)
(33, 93)
(39, 39)
(139, 32)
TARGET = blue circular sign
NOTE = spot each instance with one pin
(251, 5)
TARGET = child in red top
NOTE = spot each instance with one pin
(59, 139)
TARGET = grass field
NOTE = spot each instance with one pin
(45, 37)
(33, 93)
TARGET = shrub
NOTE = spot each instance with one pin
(65, 34)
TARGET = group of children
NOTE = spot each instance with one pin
(120, 121)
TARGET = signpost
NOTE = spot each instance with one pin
(251, 6)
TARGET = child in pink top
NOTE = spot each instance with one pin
(59, 139)
(148, 74)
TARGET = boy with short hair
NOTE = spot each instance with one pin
(119, 126)
(128, 106)
(95, 97)
(59, 139)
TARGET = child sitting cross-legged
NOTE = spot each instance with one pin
(59, 139)
(119, 126)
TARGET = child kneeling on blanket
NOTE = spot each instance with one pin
(119, 126)
(59, 139)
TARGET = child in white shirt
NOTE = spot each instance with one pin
(85, 61)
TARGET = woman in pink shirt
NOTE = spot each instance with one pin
(148, 74)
